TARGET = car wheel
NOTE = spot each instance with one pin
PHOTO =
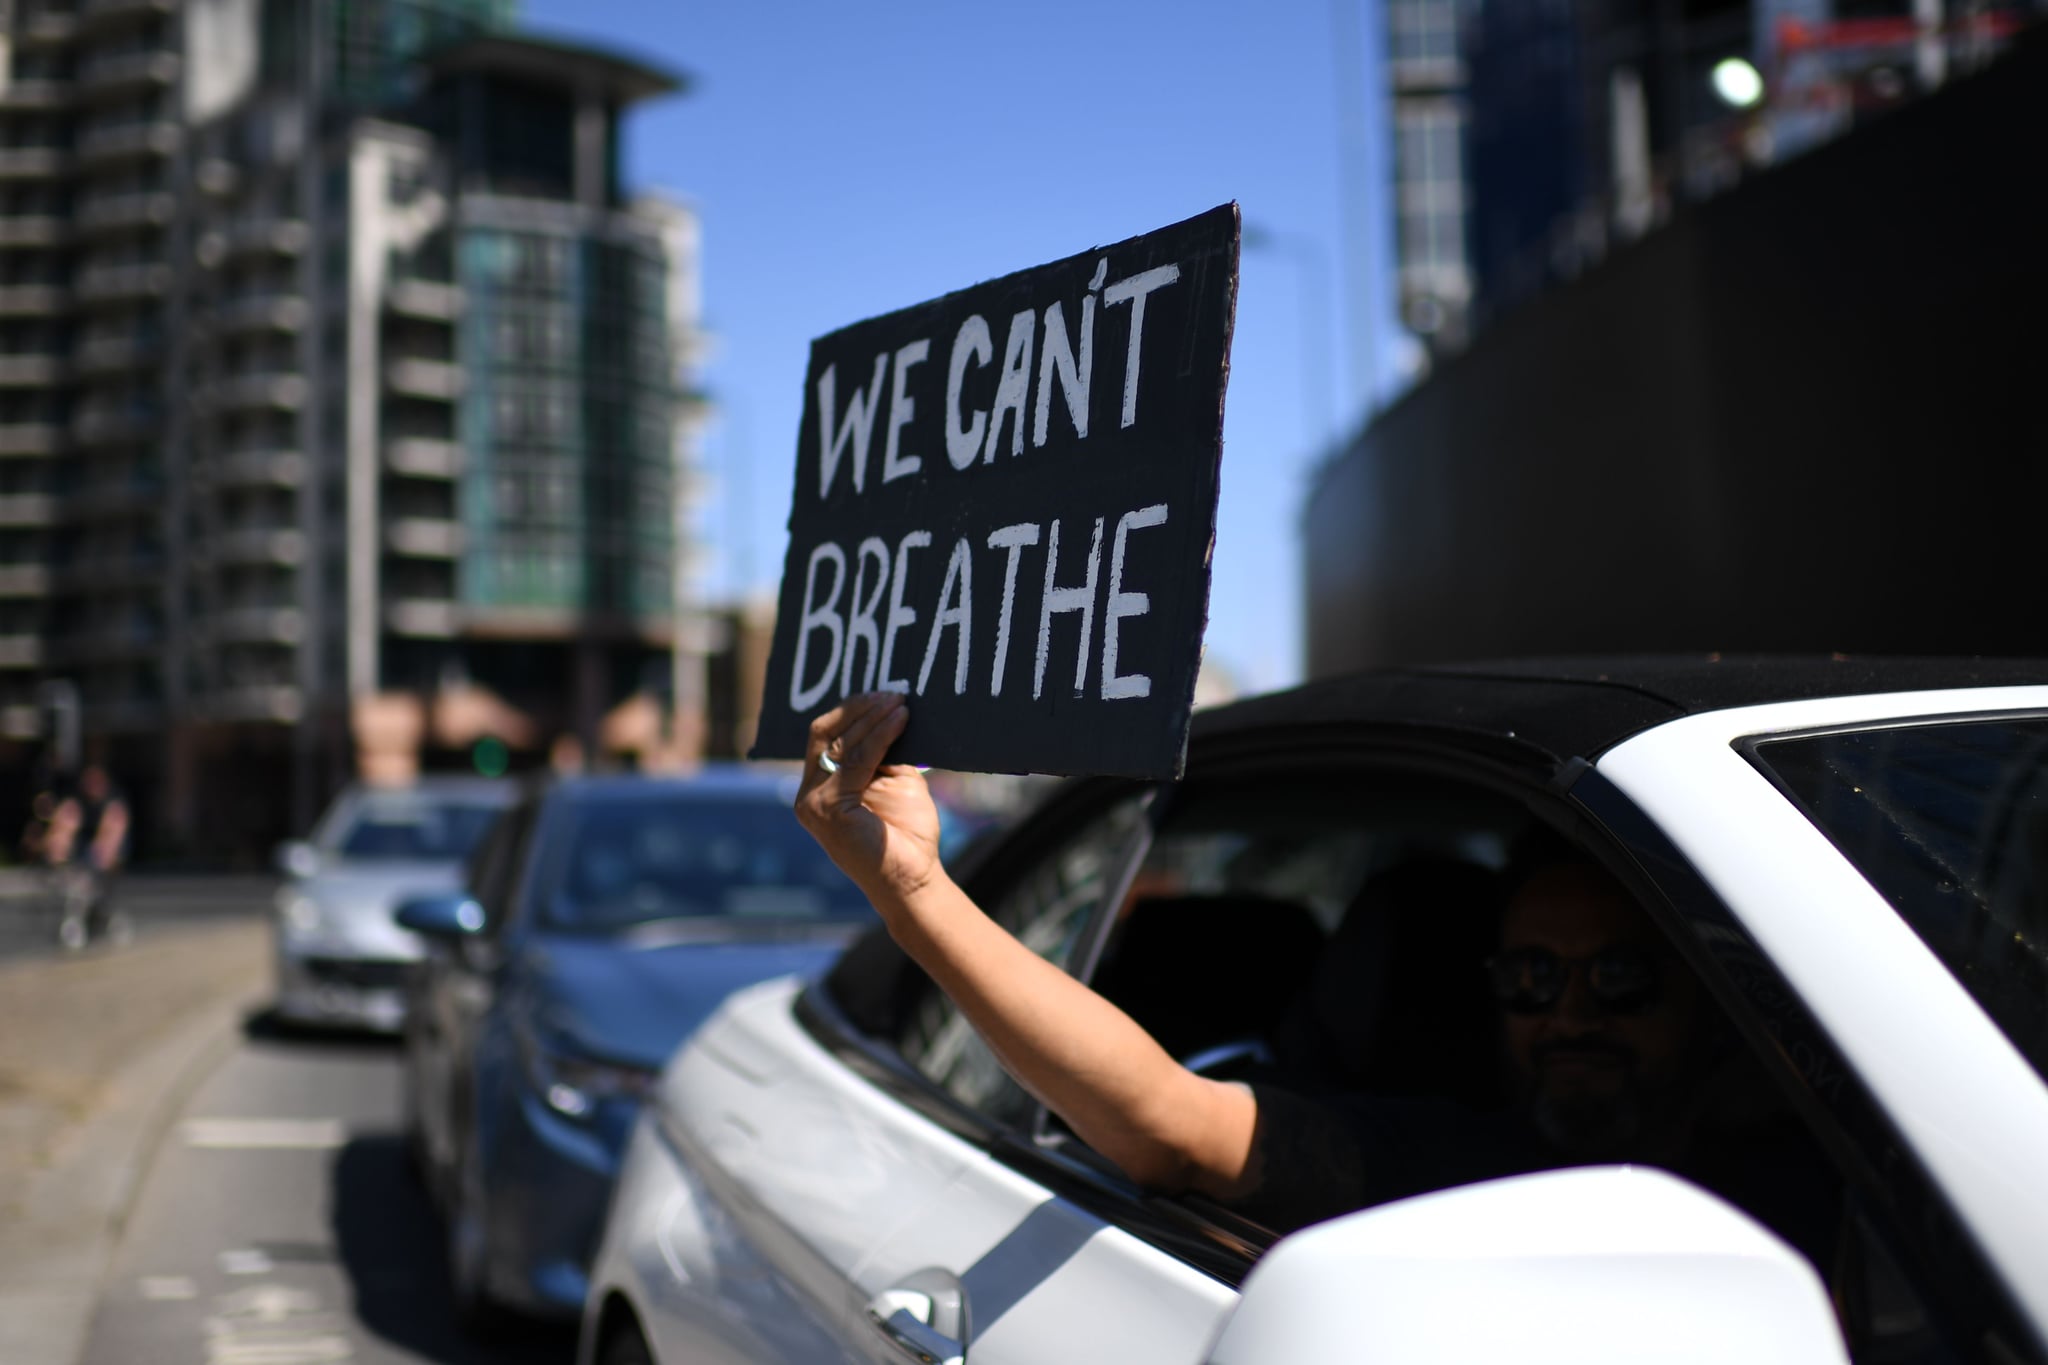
(625, 1346)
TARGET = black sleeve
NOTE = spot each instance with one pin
(1319, 1158)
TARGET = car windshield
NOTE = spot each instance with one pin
(1950, 822)
(412, 827)
(613, 864)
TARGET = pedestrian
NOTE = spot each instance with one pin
(84, 846)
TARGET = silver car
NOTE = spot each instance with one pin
(341, 958)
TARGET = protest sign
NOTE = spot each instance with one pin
(1005, 505)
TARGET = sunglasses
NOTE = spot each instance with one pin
(1621, 980)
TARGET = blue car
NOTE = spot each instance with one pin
(601, 920)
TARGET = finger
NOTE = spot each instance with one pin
(829, 726)
(859, 759)
(861, 726)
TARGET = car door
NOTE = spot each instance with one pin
(456, 987)
(803, 1165)
(1856, 877)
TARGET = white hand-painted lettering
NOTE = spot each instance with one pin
(899, 615)
(1122, 604)
(1136, 289)
(857, 427)
(818, 616)
(1057, 600)
(860, 619)
(1013, 539)
(1014, 388)
(902, 408)
(1075, 376)
(959, 570)
(971, 344)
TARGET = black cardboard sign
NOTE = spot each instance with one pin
(1005, 505)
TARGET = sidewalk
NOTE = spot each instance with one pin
(95, 1053)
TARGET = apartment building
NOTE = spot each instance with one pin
(343, 414)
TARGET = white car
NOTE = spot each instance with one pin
(1850, 858)
(341, 957)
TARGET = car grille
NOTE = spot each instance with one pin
(356, 972)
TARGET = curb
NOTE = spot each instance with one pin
(88, 1196)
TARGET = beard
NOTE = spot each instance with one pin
(1590, 1125)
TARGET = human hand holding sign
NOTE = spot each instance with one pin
(876, 820)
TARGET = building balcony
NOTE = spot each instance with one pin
(423, 457)
(106, 424)
(424, 299)
(24, 580)
(436, 379)
(34, 163)
(264, 236)
(276, 702)
(30, 371)
(282, 389)
(34, 230)
(102, 573)
(36, 96)
(260, 312)
(113, 355)
(33, 300)
(109, 144)
(424, 537)
(28, 509)
(94, 14)
(255, 545)
(108, 284)
(126, 74)
(21, 651)
(256, 625)
(43, 24)
(125, 499)
(30, 438)
(433, 618)
(100, 214)
(102, 643)
(256, 469)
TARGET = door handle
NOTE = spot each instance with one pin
(924, 1317)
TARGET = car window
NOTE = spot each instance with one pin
(616, 862)
(400, 826)
(1049, 908)
(1950, 823)
(494, 869)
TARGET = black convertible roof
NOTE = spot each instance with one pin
(1580, 707)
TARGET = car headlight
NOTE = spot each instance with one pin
(300, 914)
(574, 1085)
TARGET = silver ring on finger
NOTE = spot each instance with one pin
(827, 763)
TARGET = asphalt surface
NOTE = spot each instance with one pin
(281, 1223)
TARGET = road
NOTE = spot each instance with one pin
(281, 1224)
(182, 1182)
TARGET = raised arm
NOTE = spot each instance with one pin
(1164, 1126)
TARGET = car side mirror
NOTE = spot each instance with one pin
(297, 858)
(1592, 1265)
(448, 916)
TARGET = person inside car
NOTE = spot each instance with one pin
(1612, 1050)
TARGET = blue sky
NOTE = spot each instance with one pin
(848, 160)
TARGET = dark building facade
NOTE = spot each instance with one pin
(1801, 416)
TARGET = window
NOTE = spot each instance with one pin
(1048, 908)
(1950, 823)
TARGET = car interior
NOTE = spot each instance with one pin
(1330, 938)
